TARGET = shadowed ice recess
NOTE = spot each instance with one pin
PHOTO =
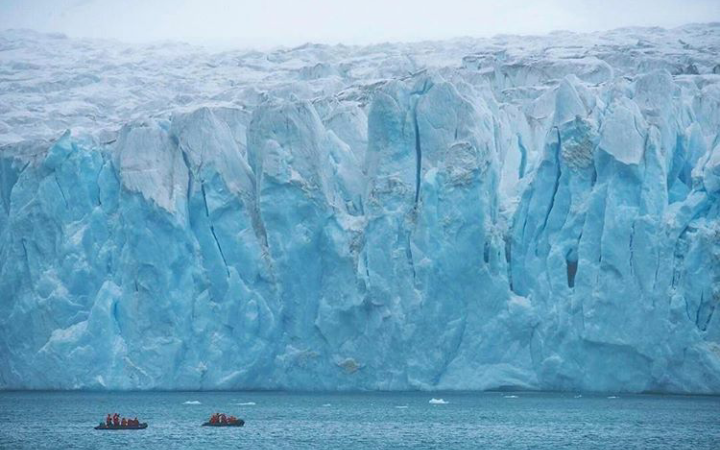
(526, 212)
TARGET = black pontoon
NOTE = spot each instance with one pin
(237, 423)
(103, 426)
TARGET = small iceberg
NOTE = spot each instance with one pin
(192, 402)
(578, 396)
(438, 401)
(510, 396)
(612, 396)
(246, 404)
(405, 406)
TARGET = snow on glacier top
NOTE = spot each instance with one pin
(50, 83)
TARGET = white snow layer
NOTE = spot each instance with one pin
(516, 212)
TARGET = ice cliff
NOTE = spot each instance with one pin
(537, 213)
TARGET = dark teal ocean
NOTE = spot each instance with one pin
(278, 420)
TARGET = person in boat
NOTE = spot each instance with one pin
(232, 419)
(136, 422)
(213, 419)
(123, 422)
(116, 420)
(108, 420)
(223, 419)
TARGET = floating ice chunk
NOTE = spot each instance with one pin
(510, 396)
(404, 406)
(247, 404)
(438, 401)
(191, 402)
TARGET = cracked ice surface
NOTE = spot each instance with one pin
(469, 214)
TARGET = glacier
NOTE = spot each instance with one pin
(516, 212)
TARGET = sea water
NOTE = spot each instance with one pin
(491, 420)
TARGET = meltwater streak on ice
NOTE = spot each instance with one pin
(539, 213)
(367, 420)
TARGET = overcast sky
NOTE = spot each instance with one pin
(262, 23)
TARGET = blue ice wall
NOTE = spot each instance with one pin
(427, 239)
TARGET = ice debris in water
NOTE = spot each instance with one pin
(438, 401)
(516, 212)
(247, 404)
(191, 402)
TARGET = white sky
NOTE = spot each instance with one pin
(263, 23)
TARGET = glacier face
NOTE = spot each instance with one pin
(535, 213)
